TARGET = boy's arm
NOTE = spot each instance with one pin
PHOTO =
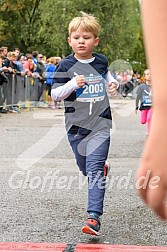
(62, 92)
(112, 84)
(137, 102)
(138, 97)
(110, 79)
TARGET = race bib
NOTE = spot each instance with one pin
(147, 100)
(93, 91)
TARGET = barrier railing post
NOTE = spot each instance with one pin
(13, 89)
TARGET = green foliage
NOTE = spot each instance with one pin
(43, 25)
(21, 23)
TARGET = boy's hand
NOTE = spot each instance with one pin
(80, 79)
(112, 88)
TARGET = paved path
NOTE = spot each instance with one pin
(37, 208)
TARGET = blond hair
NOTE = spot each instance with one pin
(87, 22)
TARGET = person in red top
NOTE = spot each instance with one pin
(29, 65)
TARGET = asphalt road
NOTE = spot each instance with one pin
(44, 198)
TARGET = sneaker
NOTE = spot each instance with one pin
(92, 226)
(106, 168)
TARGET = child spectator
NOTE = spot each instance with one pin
(144, 97)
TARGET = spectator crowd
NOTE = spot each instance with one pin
(34, 65)
(37, 66)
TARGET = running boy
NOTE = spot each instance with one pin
(80, 80)
(144, 97)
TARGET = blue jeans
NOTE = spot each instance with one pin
(91, 152)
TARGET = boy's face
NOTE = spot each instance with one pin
(83, 43)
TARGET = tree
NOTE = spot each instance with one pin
(42, 25)
(21, 22)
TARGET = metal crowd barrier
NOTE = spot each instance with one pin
(19, 91)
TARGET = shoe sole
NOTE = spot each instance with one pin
(106, 168)
(88, 230)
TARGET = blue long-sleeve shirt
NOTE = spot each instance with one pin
(50, 73)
